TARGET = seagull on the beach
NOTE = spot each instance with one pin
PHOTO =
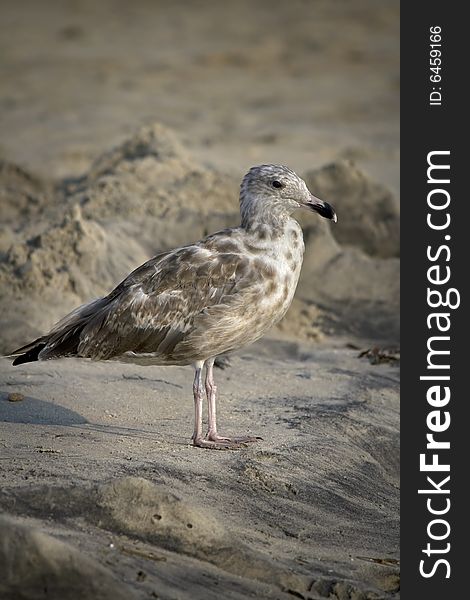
(191, 304)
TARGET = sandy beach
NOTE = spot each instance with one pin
(124, 131)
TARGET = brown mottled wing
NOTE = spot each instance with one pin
(153, 310)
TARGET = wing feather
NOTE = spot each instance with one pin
(154, 309)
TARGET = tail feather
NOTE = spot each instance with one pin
(30, 356)
(28, 346)
(62, 340)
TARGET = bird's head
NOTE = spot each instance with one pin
(276, 191)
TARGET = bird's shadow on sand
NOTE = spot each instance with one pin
(37, 412)
(32, 411)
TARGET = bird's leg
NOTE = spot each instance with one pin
(198, 396)
(212, 435)
(198, 390)
(211, 391)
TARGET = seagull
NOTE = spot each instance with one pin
(191, 304)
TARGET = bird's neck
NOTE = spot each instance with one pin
(275, 236)
(259, 215)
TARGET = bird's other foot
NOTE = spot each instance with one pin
(213, 436)
(218, 442)
(221, 445)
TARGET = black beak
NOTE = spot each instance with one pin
(322, 208)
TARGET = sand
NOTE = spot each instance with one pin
(99, 454)
(110, 152)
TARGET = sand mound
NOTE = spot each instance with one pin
(22, 195)
(74, 256)
(361, 293)
(150, 188)
(357, 293)
(369, 214)
(35, 565)
(23, 200)
(138, 507)
(47, 275)
(151, 174)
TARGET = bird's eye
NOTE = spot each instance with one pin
(277, 184)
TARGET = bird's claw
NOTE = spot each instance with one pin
(218, 442)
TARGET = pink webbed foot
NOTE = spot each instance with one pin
(218, 442)
(213, 436)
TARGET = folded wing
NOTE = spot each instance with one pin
(152, 311)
